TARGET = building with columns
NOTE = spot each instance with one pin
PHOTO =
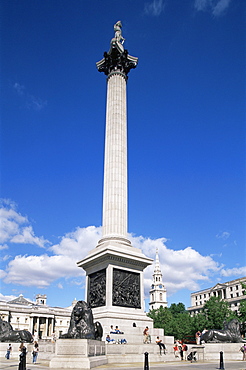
(231, 291)
(36, 317)
(158, 292)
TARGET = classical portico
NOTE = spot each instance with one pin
(114, 269)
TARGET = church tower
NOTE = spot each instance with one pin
(158, 292)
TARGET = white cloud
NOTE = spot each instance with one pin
(223, 235)
(42, 270)
(154, 8)
(15, 228)
(31, 102)
(216, 7)
(6, 298)
(182, 269)
(4, 246)
(236, 271)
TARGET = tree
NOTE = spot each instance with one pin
(216, 311)
(175, 320)
(177, 308)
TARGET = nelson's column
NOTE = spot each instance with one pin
(114, 269)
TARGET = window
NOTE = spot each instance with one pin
(236, 287)
(196, 297)
(204, 295)
(26, 320)
(231, 295)
(160, 296)
(231, 288)
(60, 322)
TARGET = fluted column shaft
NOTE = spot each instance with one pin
(115, 159)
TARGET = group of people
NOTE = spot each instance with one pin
(23, 353)
(115, 331)
(180, 350)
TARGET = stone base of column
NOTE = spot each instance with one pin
(78, 354)
(115, 284)
(114, 239)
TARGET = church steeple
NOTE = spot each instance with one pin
(158, 291)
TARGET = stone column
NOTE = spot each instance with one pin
(31, 325)
(46, 326)
(116, 64)
(115, 160)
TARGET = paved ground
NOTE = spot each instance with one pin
(236, 365)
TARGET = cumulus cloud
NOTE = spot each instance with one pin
(40, 271)
(6, 298)
(182, 269)
(30, 101)
(236, 271)
(155, 8)
(216, 7)
(15, 228)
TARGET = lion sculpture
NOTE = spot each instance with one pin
(8, 334)
(230, 333)
(81, 324)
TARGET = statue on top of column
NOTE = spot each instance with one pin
(117, 58)
(118, 40)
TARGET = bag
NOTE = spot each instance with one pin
(185, 348)
(242, 349)
(189, 357)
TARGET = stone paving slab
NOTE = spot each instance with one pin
(235, 365)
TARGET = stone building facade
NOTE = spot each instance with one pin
(231, 291)
(37, 317)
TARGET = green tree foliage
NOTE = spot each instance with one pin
(216, 311)
(175, 320)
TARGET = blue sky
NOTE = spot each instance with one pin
(186, 141)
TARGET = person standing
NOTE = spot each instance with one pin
(22, 363)
(243, 350)
(185, 349)
(35, 352)
(147, 338)
(9, 349)
(198, 337)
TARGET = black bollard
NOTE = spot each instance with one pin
(22, 363)
(146, 361)
(221, 361)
